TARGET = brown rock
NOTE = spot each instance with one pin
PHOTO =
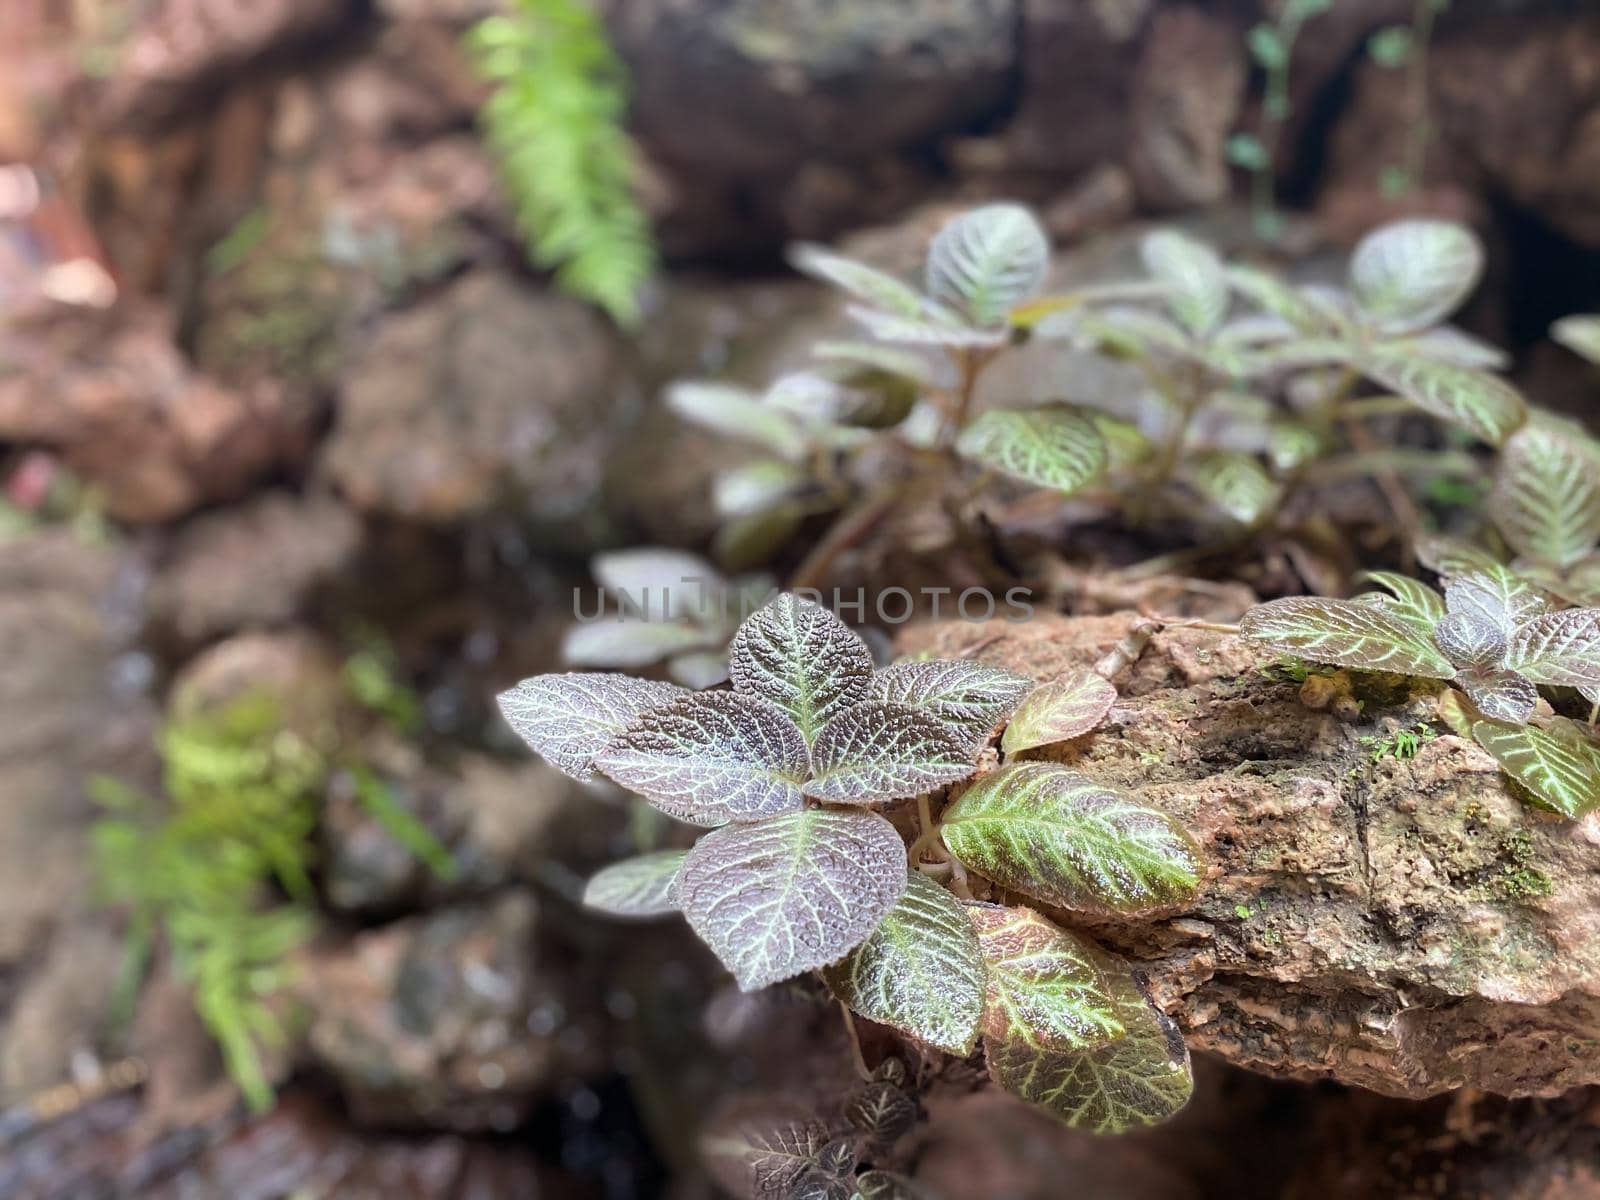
(1404, 924)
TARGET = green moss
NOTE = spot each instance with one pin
(1524, 883)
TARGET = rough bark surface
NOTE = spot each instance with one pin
(1405, 924)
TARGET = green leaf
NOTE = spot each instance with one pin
(1412, 274)
(712, 757)
(736, 413)
(1043, 987)
(1580, 334)
(1055, 447)
(1196, 280)
(920, 972)
(970, 698)
(781, 897)
(1560, 764)
(987, 261)
(924, 331)
(1561, 649)
(755, 487)
(636, 887)
(1272, 295)
(568, 719)
(865, 283)
(1047, 832)
(1235, 484)
(802, 658)
(1066, 707)
(1546, 495)
(1139, 1079)
(1497, 595)
(1126, 445)
(1498, 693)
(1413, 601)
(874, 752)
(1391, 46)
(1346, 633)
(630, 642)
(1487, 407)
(869, 356)
(1267, 47)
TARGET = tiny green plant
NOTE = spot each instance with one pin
(555, 121)
(1401, 47)
(798, 767)
(1492, 636)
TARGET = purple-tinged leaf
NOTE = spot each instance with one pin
(642, 886)
(1470, 641)
(568, 719)
(1346, 633)
(1562, 649)
(875, 752)
(1546, 495)
(1559, 764)
(1412, 601)
(987, 261)
(1497, 595)
(781, 897)
(969, 697)
(1063, 708)
(802, 658)
(1485, 405)
(1411, 274)
(1499, 693)
(1452, 557)
(765, 1156)
(1043, 987)
(712, 757)
(886, 1185)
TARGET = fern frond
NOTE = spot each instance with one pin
(555, 123)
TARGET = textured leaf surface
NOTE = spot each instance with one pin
(987, 261)
(971, 698)
(802, 658)
(1346, 633)
(780, 897)
(712, 757)
(1412, 274)
(1042, 830)
(886, 1185)
(1498, 693)
(1063, 708)
(568, 719)
(880, 1111)
(1483, 404)
(857, 279)
(641, 886)
(1234, 484)
(1139, 1079)
(766, 1157)
(1546, 495)
(1559, 764)
(1195, 278)
(736, 413)
(1561, 648)
(1052, 447)
(1579, 333)
(876, 751)
(1468, 640)
(1412, 600)
(1496, 594)
(920, 972)
(1043, 989)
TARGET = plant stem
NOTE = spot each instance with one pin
(850, 528)
(859, 1059)
(1421, 131)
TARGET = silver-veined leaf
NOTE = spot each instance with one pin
(987, 261)
(1196, 281)
(1486, 406)
(1043, 986)
(1546, 495)
(924, 331)
(880, 1111)
(630, 642)
(1138, 1079)
(1499, 693)
(781, 897)
(886, 1185)
(755, 487)
(1498, 595)
(802, 658)
(1346, 633)
(1559, 764)
(568, 719)
(875, 751)
(1561, 648)
(1272, 295)
(641, 886)
(1235, 484)
(1452, 557)
(1055, 447)
(1579, 333)
(857, 279)
(1066, 707)
(1047, 832)
(1448, 344)
(920, 972)
(1412, 600)
(1414, 273)
(971, 698)
(1470, 641)
(662, 583)
(712, 757)
(736, 413)
(765, 1156)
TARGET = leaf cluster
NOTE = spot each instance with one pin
(798, 769)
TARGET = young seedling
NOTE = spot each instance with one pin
(795, 767)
